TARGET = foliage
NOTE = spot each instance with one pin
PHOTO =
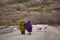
(21, 25)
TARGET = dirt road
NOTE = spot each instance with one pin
(50, 33)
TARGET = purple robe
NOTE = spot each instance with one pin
(28, 26)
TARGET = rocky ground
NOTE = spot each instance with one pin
(51, 33)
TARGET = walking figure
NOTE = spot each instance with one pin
(21, 26)
(28, 27)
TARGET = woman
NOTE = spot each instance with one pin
(28, 27)
(21, 26)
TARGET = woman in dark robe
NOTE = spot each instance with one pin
(28, 27)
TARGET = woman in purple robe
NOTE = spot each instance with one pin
(28, 27)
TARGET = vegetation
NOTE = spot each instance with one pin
(2, 6)
(17, 1)
(14, 10)
(23, 0)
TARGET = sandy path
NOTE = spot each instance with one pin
(50, 34)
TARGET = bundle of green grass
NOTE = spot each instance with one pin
(21, 25)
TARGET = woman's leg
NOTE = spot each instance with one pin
(23, 32)
(29, 33)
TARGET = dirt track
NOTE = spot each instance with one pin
(50, 34)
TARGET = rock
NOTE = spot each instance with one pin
(3, 27)
(6, 30)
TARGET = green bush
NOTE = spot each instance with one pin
(21, 25)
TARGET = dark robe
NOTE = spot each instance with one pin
(28, 26)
